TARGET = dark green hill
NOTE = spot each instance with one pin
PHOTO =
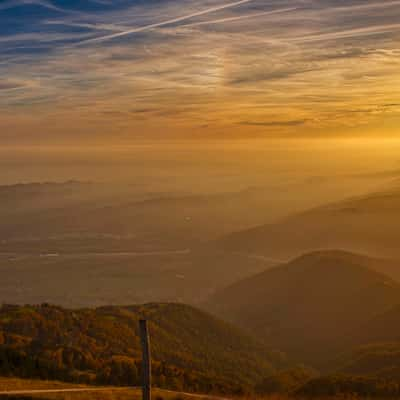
(309, 305)
(191, 350)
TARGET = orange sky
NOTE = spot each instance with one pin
(212, 69)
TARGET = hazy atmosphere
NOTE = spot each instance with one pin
(220, 176)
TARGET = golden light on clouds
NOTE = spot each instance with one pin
(213, 69)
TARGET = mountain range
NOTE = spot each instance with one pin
(311, 306)
(367, 224)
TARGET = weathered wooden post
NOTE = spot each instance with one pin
(146, 360)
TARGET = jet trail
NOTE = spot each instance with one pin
(366, 7)
(43, 3)
(241, 17)
(163, 23)
(350, 33)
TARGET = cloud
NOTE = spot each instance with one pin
(292, 68)
(266, 75)
(31, 39)
(166, 22)
(42, 3)
(11, 85)
(348, 33)
(289, 123)
(86, 25)
(391, 105)
(365, 7)
(241, 17)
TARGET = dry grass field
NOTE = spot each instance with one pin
(99, 393)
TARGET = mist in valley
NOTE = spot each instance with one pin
(294, 245)
(227, 172)
(155, 222)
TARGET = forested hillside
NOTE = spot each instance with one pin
(191, 350)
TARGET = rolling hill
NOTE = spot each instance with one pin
(367, 224)
(375, 348)
(308, 306)
(380, 360)
(383, 328)
(191, 350)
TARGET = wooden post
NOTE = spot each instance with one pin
(146, 360)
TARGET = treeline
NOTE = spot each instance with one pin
(350, 385)
(380, 360)
(191, 350)
(302, 382)
(118, 371)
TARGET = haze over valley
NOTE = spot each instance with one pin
(124, 242)
(208, 190)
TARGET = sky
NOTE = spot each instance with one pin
(114, 72)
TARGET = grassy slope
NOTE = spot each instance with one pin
(11, 383)
(111, 393)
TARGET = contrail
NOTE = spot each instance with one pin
(366, 6)
(163, 23)
(239, 18)
(43, 3)
(350, 33)
(104, 27)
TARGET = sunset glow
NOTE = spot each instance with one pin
(113, 72)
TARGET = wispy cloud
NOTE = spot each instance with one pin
(349, 33)
(289, 123)
(11, 85)
(7, 4)
(241, 17)
(222, 65)
(167, 22)
(364, 7)
(86, 25)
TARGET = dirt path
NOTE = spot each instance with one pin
(101, 389)
(44, 391)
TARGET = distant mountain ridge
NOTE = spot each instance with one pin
(365, 224)
(308, 306)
